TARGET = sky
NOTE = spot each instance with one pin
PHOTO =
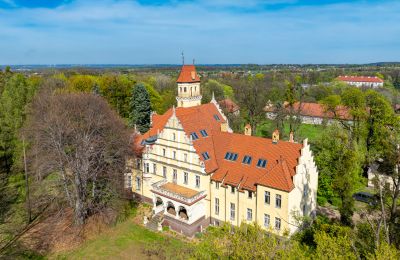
(209, 31)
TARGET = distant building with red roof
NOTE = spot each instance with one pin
(312, 113)
(196, 172)
(229, 106)
(362, 81)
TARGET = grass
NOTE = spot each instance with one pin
(126, 240)
(312, 132)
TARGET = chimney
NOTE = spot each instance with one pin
(275, 136)
(291, 137)
(247, 129)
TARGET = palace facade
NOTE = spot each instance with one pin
(196, 172)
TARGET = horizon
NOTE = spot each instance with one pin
(50, 32)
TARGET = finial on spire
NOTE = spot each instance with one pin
(183, 59)
(193, 61)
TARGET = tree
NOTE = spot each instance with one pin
(81, 143)
(252, 97)
(140, 108)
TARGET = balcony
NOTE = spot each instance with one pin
(178, 193)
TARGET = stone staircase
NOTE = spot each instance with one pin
(153, 222)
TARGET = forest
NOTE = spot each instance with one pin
(65, 135)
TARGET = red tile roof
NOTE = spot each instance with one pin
(229, 105)
(315, 110)
(188, 74)
(282, 158)
(359, 79)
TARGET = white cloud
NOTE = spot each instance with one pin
(127, 32)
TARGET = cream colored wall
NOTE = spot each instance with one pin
(192, 89)
(271, 210)
(181, 145)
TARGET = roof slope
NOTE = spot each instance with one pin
(360, 79)
(188, 74)
(229, 105)
(282, 157)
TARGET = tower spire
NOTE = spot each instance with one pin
(183, 58)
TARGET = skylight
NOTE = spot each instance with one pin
(246, 159)
(194, 136)
(203, 133)
(231, 156)
(205, 155)
(216, 117)
(261, 163)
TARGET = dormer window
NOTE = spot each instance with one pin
(231, 156)
(246, 159)
(205, 156)
(203, 133)
(261, 163)
(194, 136)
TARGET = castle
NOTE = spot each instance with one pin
(196, 172)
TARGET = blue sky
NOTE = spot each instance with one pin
(211, 31)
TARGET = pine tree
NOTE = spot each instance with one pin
(140, 108)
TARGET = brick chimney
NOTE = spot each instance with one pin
(247, 129)
(291, 137)
(275, 136)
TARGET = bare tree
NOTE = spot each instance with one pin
(81, 141)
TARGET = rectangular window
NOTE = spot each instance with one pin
(267, 197)
(249, 214)
(154, 168)
(266, 220)
(232, 189)
(216, 117)
(163, 152)
(147, 167)
(174, 176)
(261, 163)
(205, 156)
(250, 195)
(129, 181)
(185, 157)
(185, 178)
(277, 223)
(232, 211)
(174, 154)
(231, 156)
(246, 159)
(138, 183)
(217, 185)
(197, 181)
(278, 201)
(216, 206)
(164, 171)
(203, 133)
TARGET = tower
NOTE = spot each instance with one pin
(188, 87)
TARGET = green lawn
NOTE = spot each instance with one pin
(312, 132)
(127, 241)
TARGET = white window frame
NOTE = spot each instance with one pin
(185, 178)
(249, 214)
(267, 220)
(175, 176)
(278, 201)
(197, 181)
(233, 213)
(267, 194)
(216, 206)
(278, 223)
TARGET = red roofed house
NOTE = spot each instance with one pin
(229, 106)
(312, 113)
(195, 172)
(362, 81)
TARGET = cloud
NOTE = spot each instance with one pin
(10, 3)
(107, 31)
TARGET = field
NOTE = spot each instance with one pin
(312, 132)
(126, 240)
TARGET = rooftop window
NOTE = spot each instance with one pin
(231, 156)
(261, 163)
(203, 133)
(194, 136)
(216, 117)
(205, 155)
(246, 159)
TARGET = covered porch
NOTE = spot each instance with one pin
(177, 202)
